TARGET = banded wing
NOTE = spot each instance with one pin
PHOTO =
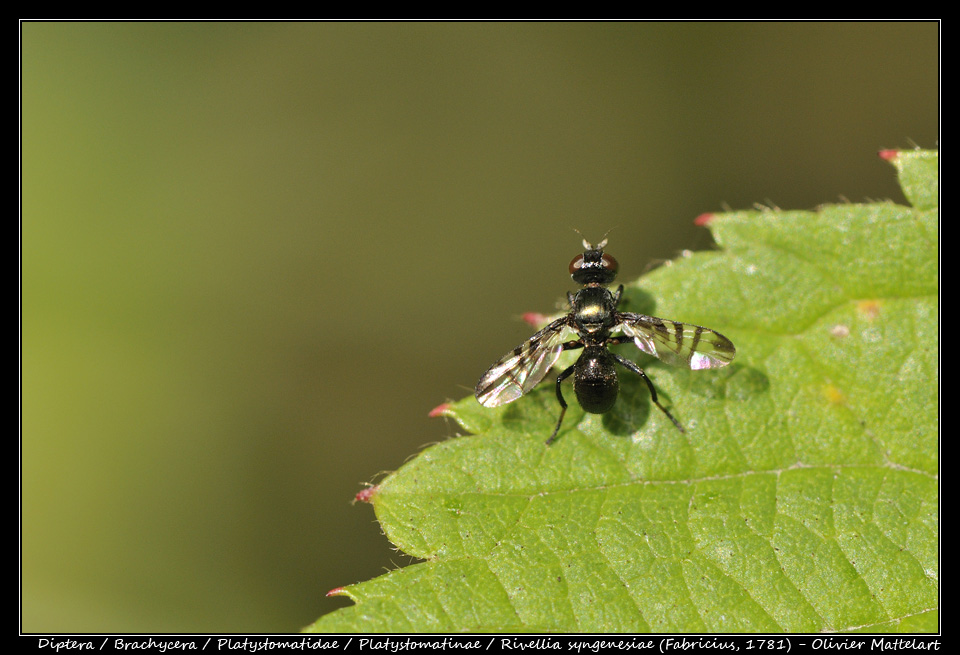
(679, 344)
(523, 368)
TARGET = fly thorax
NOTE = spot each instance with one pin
(594, 310)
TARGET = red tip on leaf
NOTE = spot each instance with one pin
(339, 591)
(365, 495)
(534, 319)
(889, 155)
(439, 410)
(703, 219)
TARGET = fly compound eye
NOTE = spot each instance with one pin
(608, 263)
(577, 263)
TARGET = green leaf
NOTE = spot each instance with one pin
(802, 497)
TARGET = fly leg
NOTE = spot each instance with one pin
(570, 345)
(563, 403)
(616, 296)
(626, 363)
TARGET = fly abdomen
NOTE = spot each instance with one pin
(595, 380)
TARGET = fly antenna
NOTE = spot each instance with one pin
(604, 241)
(586, 244)
(599, 246)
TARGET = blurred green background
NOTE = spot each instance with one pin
(255, 255)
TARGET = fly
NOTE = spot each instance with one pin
(594, 319)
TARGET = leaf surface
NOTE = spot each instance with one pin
(803, 496)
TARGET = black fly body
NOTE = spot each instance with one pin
(594, 318)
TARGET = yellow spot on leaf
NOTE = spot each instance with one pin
(869, 308)
(833, 395)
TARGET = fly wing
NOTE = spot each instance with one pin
(679, 344)
(522, 368)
